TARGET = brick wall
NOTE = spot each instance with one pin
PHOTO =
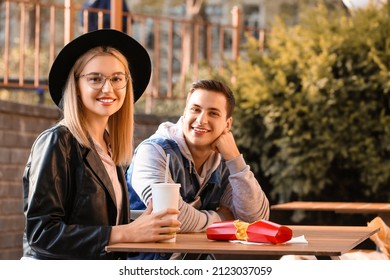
(20, 124)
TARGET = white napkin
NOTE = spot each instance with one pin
(295, 240)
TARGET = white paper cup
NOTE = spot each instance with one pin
(166, 195)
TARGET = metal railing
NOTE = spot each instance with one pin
(32, 33)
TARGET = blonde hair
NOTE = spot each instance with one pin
(120, 125)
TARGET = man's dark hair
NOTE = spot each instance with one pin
(217, 86)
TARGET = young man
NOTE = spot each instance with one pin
(216, 183)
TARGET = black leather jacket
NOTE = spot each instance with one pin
(69, 201)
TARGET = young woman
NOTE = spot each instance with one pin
(75, 194)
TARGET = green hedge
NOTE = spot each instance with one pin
(313, 114)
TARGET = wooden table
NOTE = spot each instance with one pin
(380, 209)
(323, 241)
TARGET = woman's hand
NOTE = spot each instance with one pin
(149, 227)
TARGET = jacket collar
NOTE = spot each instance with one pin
(97, 167)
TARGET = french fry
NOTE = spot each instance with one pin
(241, 229)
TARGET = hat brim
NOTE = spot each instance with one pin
(136, 55)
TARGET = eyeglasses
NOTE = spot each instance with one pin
(97, 80)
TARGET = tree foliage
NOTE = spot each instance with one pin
(314, 110)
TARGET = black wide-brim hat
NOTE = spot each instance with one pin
(136, 55)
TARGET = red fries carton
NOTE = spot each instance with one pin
(259, 231)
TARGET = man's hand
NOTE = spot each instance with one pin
(226, 213)
(226, 146)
